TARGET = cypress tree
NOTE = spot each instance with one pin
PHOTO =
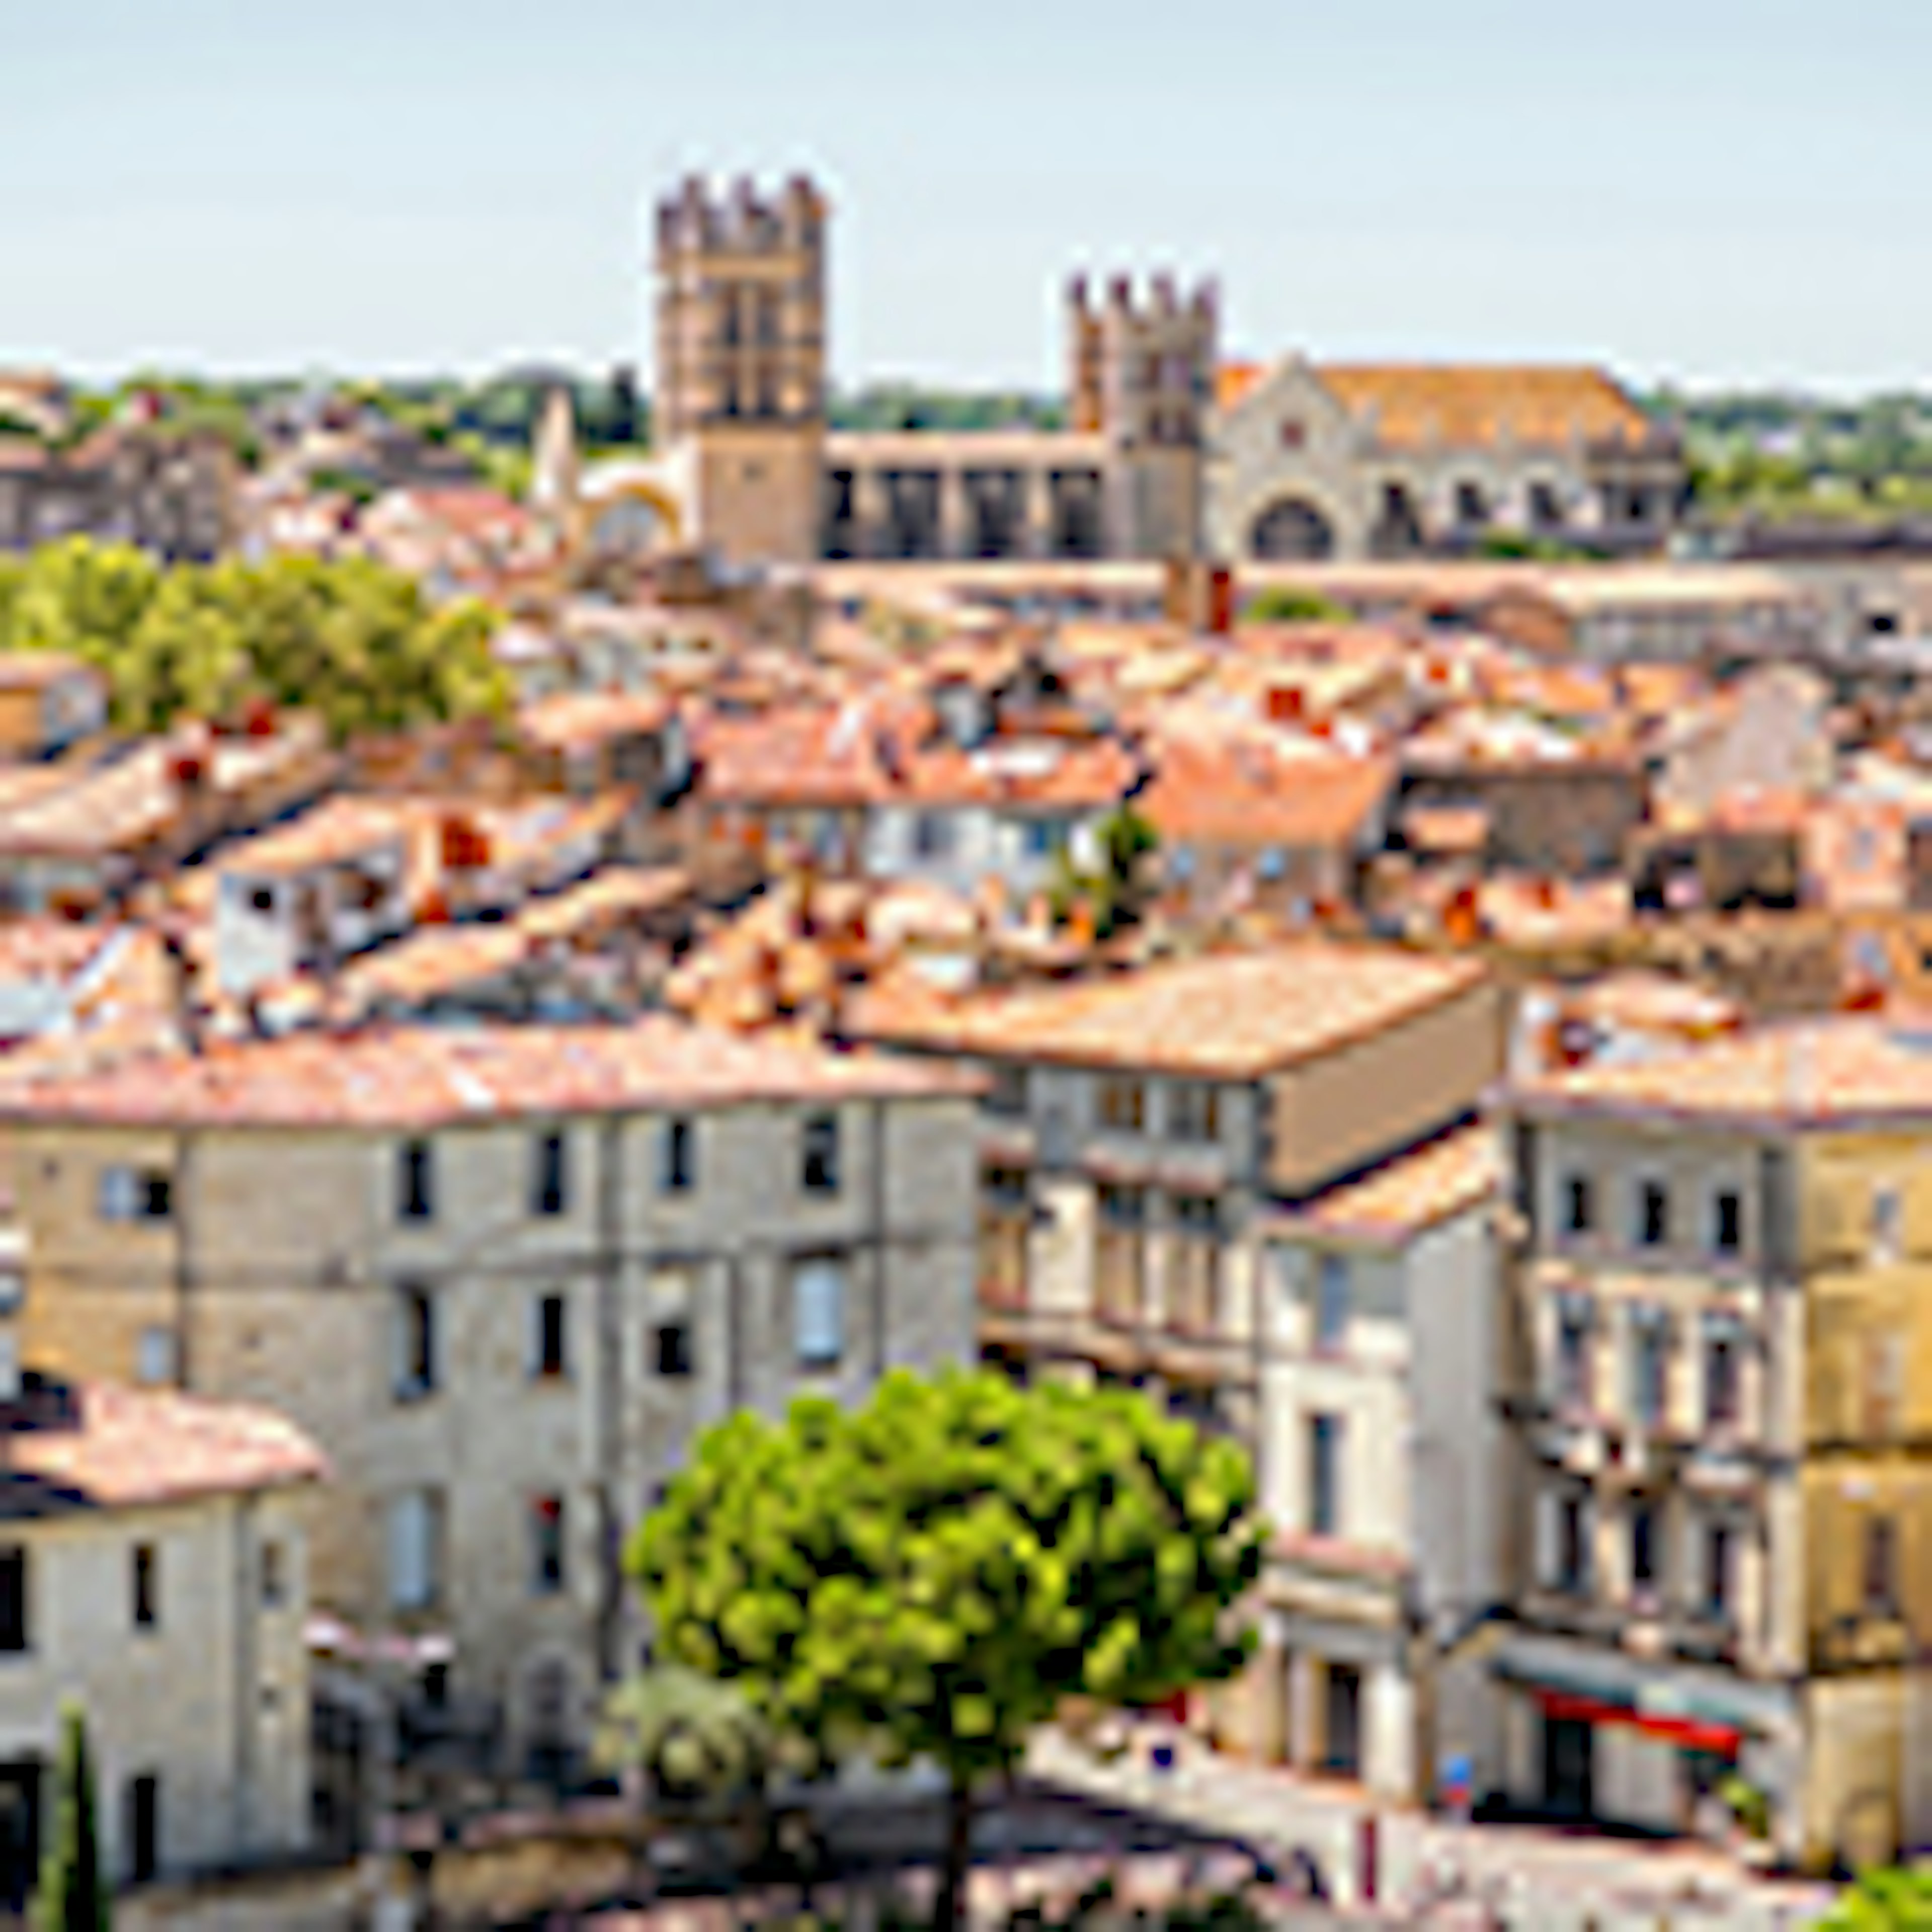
(71, 1896)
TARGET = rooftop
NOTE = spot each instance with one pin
(1414, 1191)
(422, 1077)
(1823, 1073)
(1233, 1016)
(97, 1446)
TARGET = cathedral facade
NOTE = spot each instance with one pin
(1166, 453)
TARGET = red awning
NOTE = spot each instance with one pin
(1691, 1733)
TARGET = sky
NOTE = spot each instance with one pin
(1713, 192)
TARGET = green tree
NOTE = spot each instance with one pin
(932, 1575)
(347, 637)
(690, 1736)
(1283, 603)
(1893, 1900)
(72, 1895)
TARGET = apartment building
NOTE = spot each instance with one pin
(504, 1276)
(1717, 1401)
(153, 1568)
(1249, 1183)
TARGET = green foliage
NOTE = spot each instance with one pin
(1117, 889)
(72, 1895)
(1893, 1900)
(691, 1735)
(1283, 603)
(1749, 1804)
(503, 466)
(1509, 546)
(348, 638)
(888, 406)
(931, 1575)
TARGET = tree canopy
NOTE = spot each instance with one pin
(1892, 1901)
(348, 638)
(931, 1576)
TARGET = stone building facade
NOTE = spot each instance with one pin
(1174, 1164)
(153, 1570)
(1713, 1378)
(504, 1277)
(172, 494)
(1165, 453)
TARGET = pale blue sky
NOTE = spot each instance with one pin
(1713, 190)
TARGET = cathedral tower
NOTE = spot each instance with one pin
(741, 366)
(1141, 375)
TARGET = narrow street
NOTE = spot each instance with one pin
(1536, 1879)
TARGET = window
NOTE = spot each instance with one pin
(1888, 1223)
(1721, 1387)
(1122, 1104)
(1717, 1558)
(1007, 1095)
(414, 1342)
(141, 1807)
(1650, 1362)
(549, 1176)
(547, 1546)
(416, 1550)
(415, 1182)
(932, 836)
(1042, 837)
(1645, 1547)
(1193, 1111)
(1193, 1274)
(1579, 1204)
(550, 1320)
(1727, 1222)
(1881, 1566)
(1573, 1544)
(1325, 1475)
(155, 1357)
(1574, 1367)
(136, 1194)
(1331, 1300)
(678, 1170)
(1653, 1214)
(818, 1311)
(15, 1623)
(670, 1345)
(145, 1586)
(274, 1582)
(818, 1158)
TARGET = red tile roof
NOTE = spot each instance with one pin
(95, 1445)
(423, 1077)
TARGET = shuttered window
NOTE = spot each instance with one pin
(415, 1554)
(818, 1310)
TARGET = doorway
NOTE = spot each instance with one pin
(1569, 1767)
(1342, 1721)
(20, 1831)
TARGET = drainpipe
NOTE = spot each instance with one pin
(607, 1396)
(180, 1199)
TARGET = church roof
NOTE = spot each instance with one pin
(1464, 405)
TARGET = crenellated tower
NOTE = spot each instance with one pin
(1141, 375)
(741, 364)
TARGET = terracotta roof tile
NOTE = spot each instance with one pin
(96, 1445)
(426, 1076)
(1225, 1016)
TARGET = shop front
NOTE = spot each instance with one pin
(1587, 1740)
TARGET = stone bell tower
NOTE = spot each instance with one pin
(1142, 374)
(740, 401)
